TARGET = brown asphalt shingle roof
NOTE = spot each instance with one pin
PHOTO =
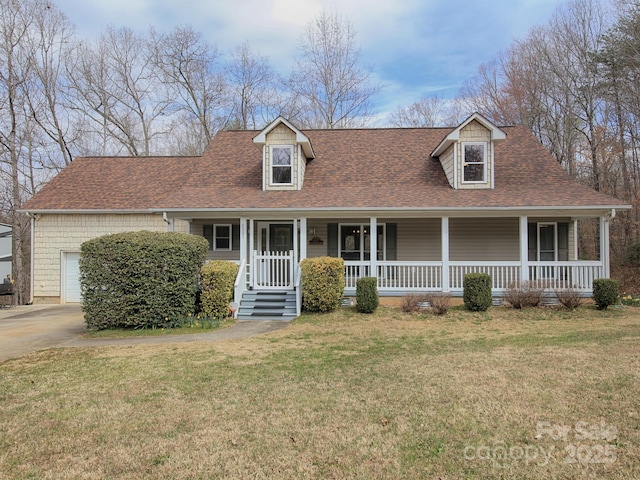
(367, 168)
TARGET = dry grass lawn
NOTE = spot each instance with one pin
(504, 394)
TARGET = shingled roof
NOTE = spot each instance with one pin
(353, 169)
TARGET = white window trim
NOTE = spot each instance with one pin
(215, 237)
(382, 247)
(485, 163)
(555, 239)
(271, 165)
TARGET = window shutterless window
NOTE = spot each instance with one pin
(474, 161)
(282, 164)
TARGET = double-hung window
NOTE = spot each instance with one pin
(474, 160)
(218, 236)
(281, 164)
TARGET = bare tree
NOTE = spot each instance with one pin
(15, 24)
(328, 80)
(426, 112)
(116, 85)
(190, 69)
(251, 82)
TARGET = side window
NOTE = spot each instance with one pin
(222, 237)
(474, 161)
(282, 164)
(218, 236)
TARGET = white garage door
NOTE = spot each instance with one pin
(71, 278)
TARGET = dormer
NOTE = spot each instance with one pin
(467, 153)
(285, 152)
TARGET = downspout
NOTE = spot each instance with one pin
(168, 222)
(33, 217)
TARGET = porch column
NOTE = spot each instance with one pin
(251, 248)
(373, 246)
(295, 240)
(524, 249)
(444, 227)
(243, 240)
(303, 238)
(604, 245)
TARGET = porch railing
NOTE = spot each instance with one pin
(409, 275)
(428, 276)
(240, 284)
(555, 275)
(273, 270)
(502, 273)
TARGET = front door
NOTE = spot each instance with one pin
(273, 265)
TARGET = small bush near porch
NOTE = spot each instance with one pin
(477, 395)
(322, 283)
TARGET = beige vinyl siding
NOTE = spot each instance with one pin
(484, 239)
(197, 228)
(418, 239)
(320, 226)
(281, 135)
(475, 132)
(447, 161)
(55, 234)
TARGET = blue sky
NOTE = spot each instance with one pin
(415, 47)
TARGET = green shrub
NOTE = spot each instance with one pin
(322, 283)
(217, 279)
(605, 292)
(367, 295)
(632, 255)
(139, 279)
(477, 292)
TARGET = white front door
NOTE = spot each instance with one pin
(71, 277)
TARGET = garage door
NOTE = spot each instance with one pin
(71, 278)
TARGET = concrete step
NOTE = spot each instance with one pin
(267, 305)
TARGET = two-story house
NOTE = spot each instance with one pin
(418, 208)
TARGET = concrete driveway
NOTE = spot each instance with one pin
(28, 328)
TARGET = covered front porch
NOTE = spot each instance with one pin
(412, 253)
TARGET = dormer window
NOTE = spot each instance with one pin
(474, 161)
(285, 153)
(281, 164)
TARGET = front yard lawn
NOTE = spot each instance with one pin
(538, 393)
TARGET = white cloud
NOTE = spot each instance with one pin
(415, 46)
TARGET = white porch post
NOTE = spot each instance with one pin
(243, 240)
(303, 238)
(524, 250)
(373, 246)
(251, 248)
(604, 245)
(295, 240)
(445, 253)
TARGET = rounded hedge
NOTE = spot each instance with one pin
(605, 292)
(322, 283)
(140, 279)
(217, 278)
(367, 299)
(477, 292)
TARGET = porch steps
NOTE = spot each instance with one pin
(267, 305)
